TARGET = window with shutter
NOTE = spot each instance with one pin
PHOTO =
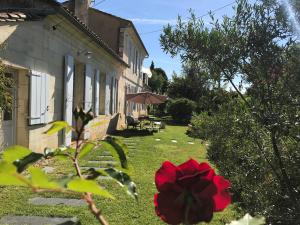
(97, 93)
(88, 97)
(112, 95)
(68, 95)
(107, 94)
(39, 99)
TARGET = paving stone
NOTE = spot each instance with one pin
(95, 168)
(104, 178)
(38, 220)
(102, 162)
(57, 201)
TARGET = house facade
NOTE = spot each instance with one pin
(59, 60)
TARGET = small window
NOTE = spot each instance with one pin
(6, 114)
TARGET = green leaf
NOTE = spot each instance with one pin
(6, 167)
(92, 174)
(12, 179)
(14, 153)
(60, 153)
(117, 150)
(9, 175)
(58, 126)
(86, 149)
(40, 180)
(27, 160)
(124, 180)
(88, 186)
(249, 220)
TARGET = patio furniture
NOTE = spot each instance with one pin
(130, 121)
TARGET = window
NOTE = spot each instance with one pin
(111, 110)
(129, 52)
(6, 114)
(38, 98)
(136, 61)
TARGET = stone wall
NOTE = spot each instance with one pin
(36, 46)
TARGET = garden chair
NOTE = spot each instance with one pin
(130, 121)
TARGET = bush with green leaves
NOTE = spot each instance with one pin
(243, 152)
(181, 109)
(17, 166)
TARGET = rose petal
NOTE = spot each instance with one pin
(189, 167)
(165, 177)
(207, 172)
(222, 198)
(201, 211)
(205, 193)
(168, 208)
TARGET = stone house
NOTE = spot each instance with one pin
(63, 56)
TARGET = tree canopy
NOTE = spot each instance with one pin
(159, 80)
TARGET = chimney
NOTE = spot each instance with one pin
(80, 9)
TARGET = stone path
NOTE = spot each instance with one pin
(57, 201)
(37, 220)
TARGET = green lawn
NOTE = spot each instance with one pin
(145, 160)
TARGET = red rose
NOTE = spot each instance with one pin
(189, 193)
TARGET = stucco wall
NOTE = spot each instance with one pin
(35, 46)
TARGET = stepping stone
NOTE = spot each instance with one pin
(108, 162)
(103, 162)
(57, 201)
(174, 141)
(96, 168)
(191, 143)
(38, 220)
(157, 139)
(48, 169)
(104, 178)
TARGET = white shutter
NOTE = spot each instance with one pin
(107, 94)
(97, 93)
(117, 96)
(111, 105)
(68, 95)
(39, 98)
(88, 96)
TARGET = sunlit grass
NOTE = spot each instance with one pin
(145, 159)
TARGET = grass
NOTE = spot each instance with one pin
(124, 210)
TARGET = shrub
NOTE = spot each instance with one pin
(242, 151)
(181, 109)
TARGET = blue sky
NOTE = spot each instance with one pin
(149, 16)
(152, 15)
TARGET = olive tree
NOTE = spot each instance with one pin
(258, 46)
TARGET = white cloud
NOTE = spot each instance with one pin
(154, 21)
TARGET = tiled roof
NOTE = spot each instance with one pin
(15, 16)
(91, 33)
(10, 15)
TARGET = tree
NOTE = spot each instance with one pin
(258, 45)
(6, 85)
(159, 80)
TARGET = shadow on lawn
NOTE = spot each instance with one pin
(132, 133)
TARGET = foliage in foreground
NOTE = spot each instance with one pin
(16, 168)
